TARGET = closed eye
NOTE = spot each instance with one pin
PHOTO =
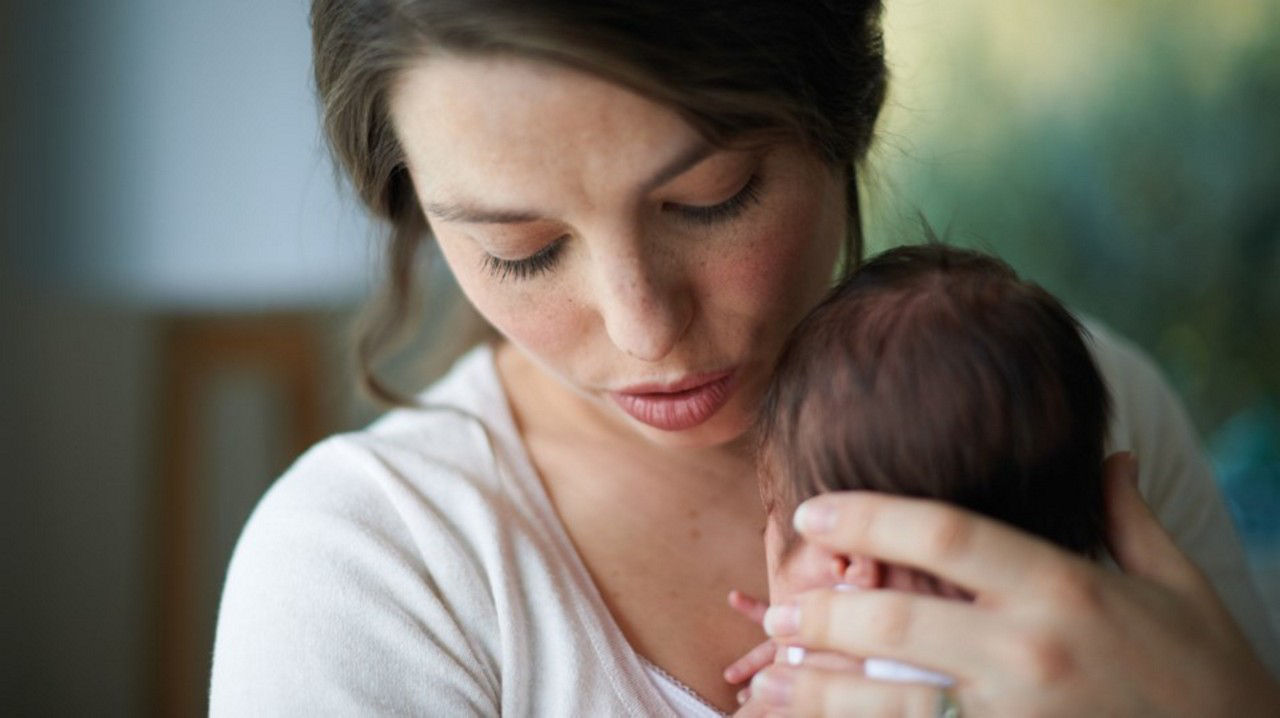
(545, 258)
(524, 268)
(724, 211)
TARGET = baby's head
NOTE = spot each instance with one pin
(933, 372)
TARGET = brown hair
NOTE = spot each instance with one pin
(935, 372)
(811, 70)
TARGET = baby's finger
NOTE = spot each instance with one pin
(750, 708)
(749, 606)
(755, 659)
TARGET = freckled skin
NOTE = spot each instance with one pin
(637, 295)
(665, 522)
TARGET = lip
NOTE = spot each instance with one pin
(679, 405)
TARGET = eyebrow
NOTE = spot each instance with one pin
(476, 214)
(471, 214)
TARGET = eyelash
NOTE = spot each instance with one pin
(545, 258)
(726, 210)
(535, 264)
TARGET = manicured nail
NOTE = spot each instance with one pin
(782, 620)
(794, 655)
(773, 687)
(814, 518)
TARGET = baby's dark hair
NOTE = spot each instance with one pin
(936, 372)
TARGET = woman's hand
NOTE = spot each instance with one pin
(1048, 634)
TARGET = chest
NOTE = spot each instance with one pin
(663, 559)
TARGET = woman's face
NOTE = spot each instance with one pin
(654, 276)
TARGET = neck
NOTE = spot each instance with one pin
(544, 407)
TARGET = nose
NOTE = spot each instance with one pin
(645, 303)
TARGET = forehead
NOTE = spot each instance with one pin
(478, 122)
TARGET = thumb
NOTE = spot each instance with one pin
(1138, 543)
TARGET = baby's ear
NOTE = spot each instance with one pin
(860, 571)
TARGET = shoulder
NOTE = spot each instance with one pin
(1176, 478)
(404, 475)
(358, 573)
(1148, 419)
(1132, 377)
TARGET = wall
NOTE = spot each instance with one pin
(157, 158)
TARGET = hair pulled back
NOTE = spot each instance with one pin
(810, 70)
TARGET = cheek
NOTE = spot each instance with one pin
(544, 322)
(782, 267)
(549, 329)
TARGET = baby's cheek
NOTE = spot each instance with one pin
(789, 581)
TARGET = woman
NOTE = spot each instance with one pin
(642, 198)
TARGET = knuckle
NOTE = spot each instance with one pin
(835, 695)
(815, 618)
(890, 618)
(950, 535)
(864, 701)
(818, 695)
(1076, 592)
(1043, 659)
(856, 520)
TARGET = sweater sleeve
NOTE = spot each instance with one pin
(1178, 482)
(329, 607)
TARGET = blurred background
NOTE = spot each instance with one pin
(179, 270)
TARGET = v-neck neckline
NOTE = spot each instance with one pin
(631, 679)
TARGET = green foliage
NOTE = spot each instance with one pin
(1152, 204)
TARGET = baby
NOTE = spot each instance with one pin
(932, 372)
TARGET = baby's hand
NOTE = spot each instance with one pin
(749, 606)
(742, 670)
(752, 709)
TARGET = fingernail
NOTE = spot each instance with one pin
(782, 620)
(744, 695)
(773, 688)
(814, 518)
(794, 655)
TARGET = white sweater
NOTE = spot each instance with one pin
(418, 567)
